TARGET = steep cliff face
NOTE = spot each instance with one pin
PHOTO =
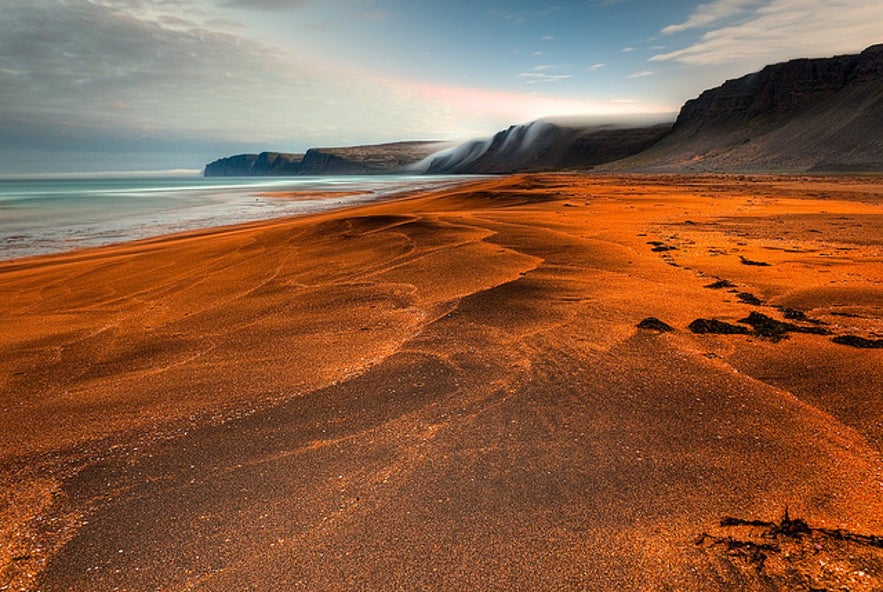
(317, 162)
(356, 160)
(544, 145)
(245, 165)
(801, 115)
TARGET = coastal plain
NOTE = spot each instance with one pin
(451, 391)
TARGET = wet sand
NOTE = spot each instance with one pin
(450, 391)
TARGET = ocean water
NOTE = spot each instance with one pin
(40, 216)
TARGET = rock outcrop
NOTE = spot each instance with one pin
(803, 115)
(354, 160)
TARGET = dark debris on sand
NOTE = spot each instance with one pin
(765, 326)
(755, 263)
(721, 284)
(654, 324)
(792, 314)
(792, 555)
(761, 326)
(749, 298)
(860, 342)
(715, 326)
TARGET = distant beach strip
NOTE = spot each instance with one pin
(53, 215)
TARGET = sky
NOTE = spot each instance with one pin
(109, 85)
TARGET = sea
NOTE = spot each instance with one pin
(57, 214)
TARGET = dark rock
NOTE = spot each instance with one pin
(750, 262)
(792, 314)
(721, 284)
(860, 342)
(770, 328)
(749, 298)
(714, 326)
(663, 248)
(654, 324)
(767, 327)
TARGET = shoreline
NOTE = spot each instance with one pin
(191, 206)
(158, 240)
(459, 370)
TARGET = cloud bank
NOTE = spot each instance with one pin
(775, 30)
(113, 77)
(706, 14)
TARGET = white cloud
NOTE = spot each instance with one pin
(107, 76)
(784, 29)
(641, 74)
(596, 67)
(628, 49)
(537, 77)
(539, 74)
(706, 14)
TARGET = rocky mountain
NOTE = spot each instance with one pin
(806, 115)
(353, 160)
(797, 116)
(546, 145)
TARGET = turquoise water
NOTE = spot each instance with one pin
(41, 216)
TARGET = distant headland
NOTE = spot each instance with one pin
(804, 115)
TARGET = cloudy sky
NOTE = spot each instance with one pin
(93, 85)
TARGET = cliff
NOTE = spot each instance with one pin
(354, 160)
(546, 146)
(802, 115)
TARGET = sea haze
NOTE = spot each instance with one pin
(50, 215)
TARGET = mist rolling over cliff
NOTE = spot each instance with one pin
(822, 114)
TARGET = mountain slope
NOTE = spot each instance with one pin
(544, 145)
(802, 115)
(352, 160)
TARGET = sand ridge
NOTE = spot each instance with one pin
(449, 390)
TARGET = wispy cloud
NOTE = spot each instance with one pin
(114, 76)
(542, 73)
(706, 14)
(641, 74)
(596, 67)
(628, 49)
(783, 29)
(547, 38)
(539, 77)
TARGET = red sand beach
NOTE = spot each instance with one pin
(450, 391)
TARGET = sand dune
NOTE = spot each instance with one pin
(450, 391)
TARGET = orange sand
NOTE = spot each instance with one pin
(449, 391)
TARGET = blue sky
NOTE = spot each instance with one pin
(89, 85)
